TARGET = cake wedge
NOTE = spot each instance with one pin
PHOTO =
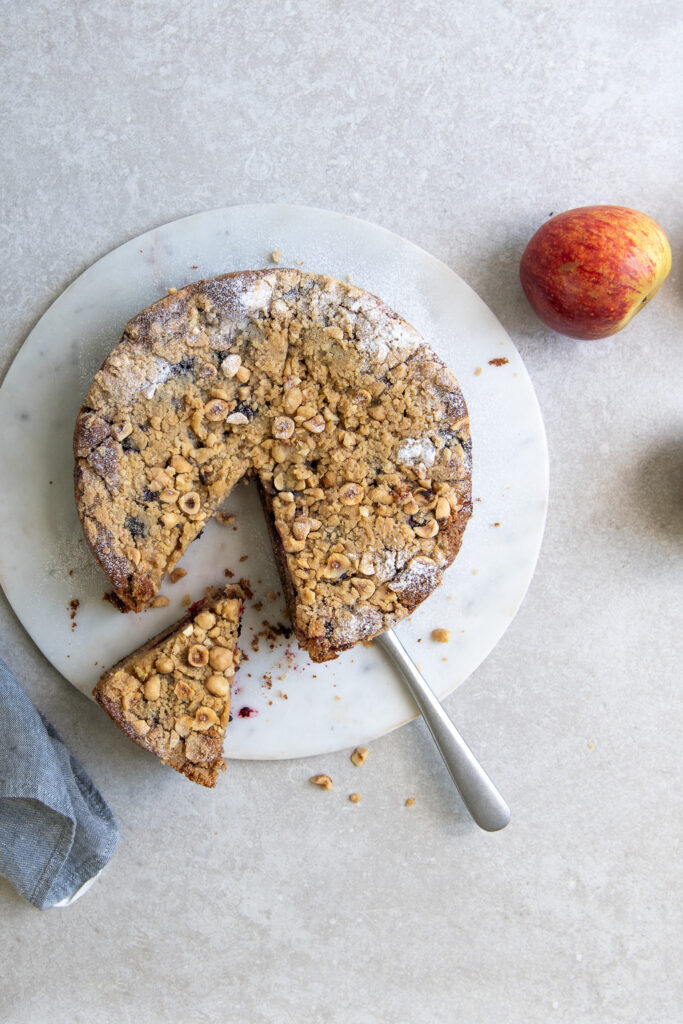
(172, 695)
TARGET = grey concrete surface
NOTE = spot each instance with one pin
(461, 127)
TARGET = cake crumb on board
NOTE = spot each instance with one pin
(324, 781)
(354, 798)
(360, 755)
(441, 636)
(410, 801)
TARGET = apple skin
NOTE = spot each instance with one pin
(587, 272)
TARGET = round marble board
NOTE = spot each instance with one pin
(290, 706)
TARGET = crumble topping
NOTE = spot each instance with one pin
(357, 434)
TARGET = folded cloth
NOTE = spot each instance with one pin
(56, 831)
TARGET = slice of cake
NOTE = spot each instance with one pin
(172, 695)
(357, 433)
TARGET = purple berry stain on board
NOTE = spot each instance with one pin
(247, 712)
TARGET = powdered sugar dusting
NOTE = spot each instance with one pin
(419, 577)
(416, 450)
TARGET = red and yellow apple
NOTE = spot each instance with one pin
(587, 272)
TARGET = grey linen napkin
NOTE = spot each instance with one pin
(56, 831)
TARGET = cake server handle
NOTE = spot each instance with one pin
(480, 796)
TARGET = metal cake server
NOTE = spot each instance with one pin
(479, 795)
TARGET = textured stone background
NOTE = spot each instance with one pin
(462, 127)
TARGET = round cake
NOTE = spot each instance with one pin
(356, 432)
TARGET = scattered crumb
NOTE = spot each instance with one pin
(360, 755)
(500, 361)
(495, 524)
(271, 595)
(228, 573)
(475, 572)
(276, 256)
(354, 798)
(177, 574)
(410, 801)
(193, 266)
(348, 279)
(172, 291)
(74, 606)
(324, 781)
(337, 698)
(186, 601)
(114, 600)
(224, 518)
(442, 636)
(299, 263)
(243, 558)
(163, 602)
(257, 606)
(477, 371)
(591, 746)
(247, 712)
(71, 572)
(444, 659)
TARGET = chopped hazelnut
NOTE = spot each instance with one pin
(354, 798)
(301, 527)
(410, 801)
(243, 374)
(351, 494)
(204, 718)
(316, 424)
(177, 574)
(216, 410)
(427, 530)
(197, 655)
(122, 429)
(164, 664)
(220, 658)
(169, 495)
(140, 727)
(183, 690)
(324, 781)
(182, 725)
(337, 565)
(442, 636)
(231, 365)
(360, 755)
(160, 601)
(364, 587)
(152, 688)
(292, 400)
(443, 509)
(205, 620)
(276, 256)
(237, 419)
(283, 427)
(217, 685)
(190, 503)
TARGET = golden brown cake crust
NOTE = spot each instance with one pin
(356, 431)
(172, 695)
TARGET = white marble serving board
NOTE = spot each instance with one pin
(307, 709)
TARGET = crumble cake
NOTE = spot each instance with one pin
(172, 695)
(357, 434)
